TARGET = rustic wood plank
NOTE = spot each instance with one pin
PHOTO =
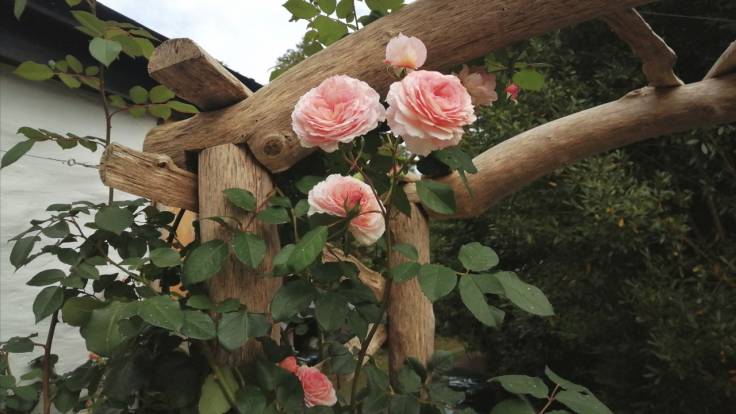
(455, 32)
(185, 68)
(658, 59)
(153, 176)
(228, 166)
(410, 313)
(725, 64)
(645, 113)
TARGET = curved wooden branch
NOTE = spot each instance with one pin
(725, 64)
(658, 59)
(454, 32)
(641, 114)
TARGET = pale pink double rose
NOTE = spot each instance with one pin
(342, 196)
(318, 389)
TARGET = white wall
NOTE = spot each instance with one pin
(29, 185)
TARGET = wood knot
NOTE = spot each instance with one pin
(274, 145)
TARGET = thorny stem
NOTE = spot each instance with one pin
(175, 226)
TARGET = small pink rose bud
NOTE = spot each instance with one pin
(480, 84)
(289, 363)
(512, 92)
(318, 389)
(405, 52)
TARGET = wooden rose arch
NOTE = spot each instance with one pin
(242, 138)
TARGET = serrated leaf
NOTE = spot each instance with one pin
(69, 80)
(327, 6)
(159, 111)
(329, 30)
(513, 406)
(95, 26)
(436, 196)
(292, 298)
(206, 260)
(404, 271)
(21, 249)
(199, 302)
(58, 230)
(48, 301)
(475, 301)
(182, 107)
(565, 384)
(436, 280)
(160, 94)
(212, 399)
(249, 248)
(104, 50)
(529, 79)
(241, 198)
(524, 295)
(301, 9)
(477, 257)
(306, 183)
(308, 249)
(582, 403)
(523, 384)
(14, 153)
(34, 71)
(114, 219)
(77, 311)
(273, 215)
(162, 311)
(407, 250)
(138, 95)
(198, 325)
(165, 257)
(74, 63)
(46, 277)
(237, 327)
(330, 311)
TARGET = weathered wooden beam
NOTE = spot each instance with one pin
(455, 32)
(153, 176)
(658, 59)
(725, 64)
(645, 113)
(222, 167)
(185, 68)
(410, 314)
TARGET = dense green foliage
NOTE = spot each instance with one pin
(635, 248)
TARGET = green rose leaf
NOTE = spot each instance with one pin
(273, 215)
(405, 271)
(249, 248)
(46, 277)
(308, 249)
(476, 257)
(563, 383)
(237, 327)
(292, 298)
(199, 302)
(327, 6)
(582, 403)
(206, 260)
(301, 9)
(198, 325)
(165, 257)
(34, 71)
(18, 345)
(48, 301)
(330, 311)
(436, 280)
(17, 151)
(212, 399)
(162, 311)
(58, 230)
(523, 384)
(182, 107)
(77, 311)
(473, 298)
(524, 295)
(101, 333)
(138, 94)
(436, 196)
(104, 50)
(407, 250)
(114, 219)
(329, 30)
(529, 79)
(160, 94)
(513, 406)
(21, 250)
(306, 183)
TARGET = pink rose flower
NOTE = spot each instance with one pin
(289, 363)
(405, 52)
(339, 196)
(318, 389)
(338, 110)
(480, 84)
(512, 92)
(429, 110)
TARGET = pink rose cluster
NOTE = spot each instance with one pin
(426, 108)
(318, 389)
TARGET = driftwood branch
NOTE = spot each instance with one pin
(153, 176)
(657, 58)
(641, 114)
(725, 64)
(455, 32)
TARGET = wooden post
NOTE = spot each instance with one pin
(232, 166)
(410, 314)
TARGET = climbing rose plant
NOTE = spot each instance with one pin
(140, 298)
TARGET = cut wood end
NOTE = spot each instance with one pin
(172, 52)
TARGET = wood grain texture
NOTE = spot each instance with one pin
(410, 313)
(725, 64)
(185, 68)
(232, 166)
(641, 114)
(657, 59)
(152, 176)
(454, 31)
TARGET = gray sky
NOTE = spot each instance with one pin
(248, 35)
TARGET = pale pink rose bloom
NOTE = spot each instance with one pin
(405, 52)
(338, 196)
(338, 110)
(480, 84)
(429, 110)
(512, 92)
(289, 363)
(318, 389)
